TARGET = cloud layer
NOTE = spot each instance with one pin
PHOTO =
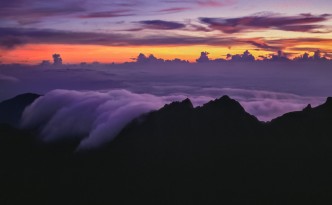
(93, 117)
(93, 102)
(96, 117)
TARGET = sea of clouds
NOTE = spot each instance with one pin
(94, 102)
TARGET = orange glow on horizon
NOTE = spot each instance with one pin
(35, 53)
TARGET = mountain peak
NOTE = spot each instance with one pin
(327, 104)
(307, 108)
(226, 99)
(329, 101)
(185, 104)
(225, 102)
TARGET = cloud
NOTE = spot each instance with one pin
(299, 23)
(194, 27)
(215, 3)
(161, 25)
(267, 105)
(293, 42)
(35, 10)
(61, 111)
(6, 78)
(245, 57)
(204, 3)
(12, 37)
(173, 10)
(60, 114)
(109, 14)
(118, 93)
(10, 42)
(96, 117)
(261, 44)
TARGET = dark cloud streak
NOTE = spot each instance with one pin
(109, 14)
(173, 10)
(161, 25)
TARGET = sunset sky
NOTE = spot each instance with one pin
(117, 31)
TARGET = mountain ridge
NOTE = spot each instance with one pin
(216, 153)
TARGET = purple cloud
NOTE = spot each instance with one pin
(109, 14)
(259, 43)
(12, 37)
(300, 23)
(59, 112)
(173, 10)
(161, 25)
(215, 3)
(204, 3)
(33, 11)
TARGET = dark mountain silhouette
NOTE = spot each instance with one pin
(12, 109)
(213, 154)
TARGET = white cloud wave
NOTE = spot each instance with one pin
(7, 78)
(96, 117)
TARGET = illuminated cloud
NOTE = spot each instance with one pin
(262, 44)
(296, 44)
(59, 114)
(13, 38)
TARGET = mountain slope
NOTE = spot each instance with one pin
(213, 154)
(12, 109)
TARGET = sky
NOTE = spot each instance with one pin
(117, 31)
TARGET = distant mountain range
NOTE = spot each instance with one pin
(213, 154)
